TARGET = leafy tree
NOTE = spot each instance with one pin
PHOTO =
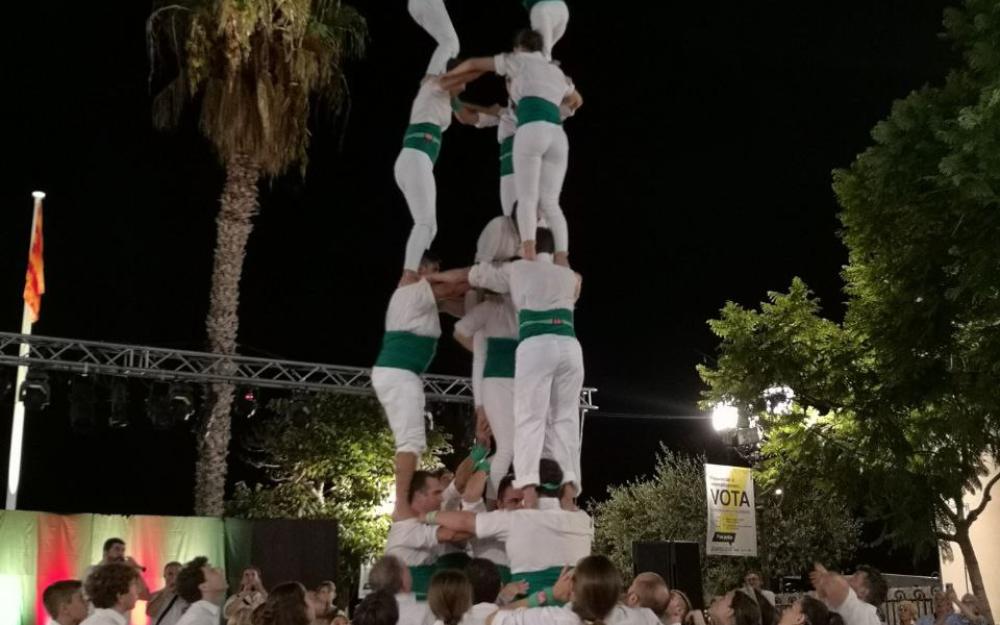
(254, 67)
(896, 407)
(329, 459)
(792, 529)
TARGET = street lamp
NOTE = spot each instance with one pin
(725, 417)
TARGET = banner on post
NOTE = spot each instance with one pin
(732, 519)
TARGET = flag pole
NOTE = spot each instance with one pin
(17, 428)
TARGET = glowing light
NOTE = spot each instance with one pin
(724, 417)
(38, 195)
(779, 492)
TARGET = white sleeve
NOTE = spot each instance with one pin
(485, 120)
(451, 493)
(487, 276)
(494, 524)
(424, 537)
(479, 506)
(854, 611)
(473, 321)
(478, 366)
(533, 616)
(502, 64)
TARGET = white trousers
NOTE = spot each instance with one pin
(541, 154)
(508, 194)
(550, 19)
(548, 379)
(433, 17)
(401, 394)
(498, 402)
(415, 178)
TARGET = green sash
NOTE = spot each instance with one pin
(536, 322)
(507, 156)
(421, 576)
(500, 357)
(405, 350)
(533, 109)
(425, 137)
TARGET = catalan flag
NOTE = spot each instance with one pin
(34, 279)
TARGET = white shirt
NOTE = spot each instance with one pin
(412, 308)
(414, 543)
(491, 549)
(533, 284)
(531, 74)
(171, 616)
(626, 615)
(432, 105)
(854, 611)
(542, 538)
(105, 616)
(411, 611)
(496, 318)
(537, 616)
(201, 613)
(477, 614)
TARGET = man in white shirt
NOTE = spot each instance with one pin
(113, 589)
(391, 576)
(853, 598)
(64, 602)
(204, 588)
(165, 606)
(539, 542)
(485, 581)
(753, 580)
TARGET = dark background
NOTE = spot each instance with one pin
(699, 173)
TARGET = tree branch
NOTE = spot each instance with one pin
(987, 496)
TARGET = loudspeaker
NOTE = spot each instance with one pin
(295, 550)
(678, 562)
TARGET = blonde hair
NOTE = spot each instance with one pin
(449, 596)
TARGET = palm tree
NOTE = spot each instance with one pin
(255, 67)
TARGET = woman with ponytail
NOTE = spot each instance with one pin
(449, 596)
(285, 605)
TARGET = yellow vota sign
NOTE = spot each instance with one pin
(732, 520)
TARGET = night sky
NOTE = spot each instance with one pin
(699, 173)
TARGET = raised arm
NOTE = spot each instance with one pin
(456, 521)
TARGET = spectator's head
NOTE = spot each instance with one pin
(678, 608)
(972, 603)
(251, 579)
(326, 593)
(170, 571)
(942, 605)
(378, 608)
(113, 586)
(808, 610)
(907, 612)
(449, 596)
(596, 587)
(648, 590)
(527, 40)
(550, 478)
(485, 580)
(390, 576)
(197, 580)
(869, 585)
(114, 550)
(286, 605)
(429, 263)
(736, 607)
(753, 580)
(425, 492)
(64, 602)
(508, 496)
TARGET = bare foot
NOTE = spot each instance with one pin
(409, 277)
(528, 250)
(561, 258)
(530, 497)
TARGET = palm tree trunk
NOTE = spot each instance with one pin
(975, 574)
(235, 221)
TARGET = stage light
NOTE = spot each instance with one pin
(35, 392)
(724, 417)
(38, 195)
(82, 398)
(245, 405)
(180, 400)
(118, 416)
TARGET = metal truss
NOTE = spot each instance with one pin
(154, 363)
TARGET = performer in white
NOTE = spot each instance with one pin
(432, 16)
(539, 542)
(412, 330)
(549, 18)
(548, 375)
(541, 150)
(430, 116)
